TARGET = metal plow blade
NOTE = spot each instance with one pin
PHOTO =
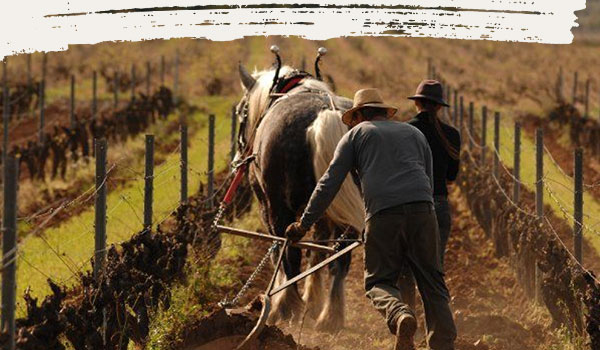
(266, 308)
(284, 243)
(260, 325)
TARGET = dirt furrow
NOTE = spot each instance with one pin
(490, 308)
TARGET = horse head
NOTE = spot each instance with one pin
(256, 99)
(258, 88)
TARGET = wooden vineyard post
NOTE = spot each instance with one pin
(539, 200)
(211, 156)
(233, 136)
(9, 249)
(5, 110)
(29, 83)
(42, 107)
(176, 79)
(94, 94)
(44, 65)
(517, 164)
(5, 120)
(72, 109)
(539, 162)
(149, 182)
(100, 219)
(184, 163)
(42, 98)
(447, 110)
(483, 134)
(578, 205)
(100, 149)
(461, 115)
(470, 126)
(497, 145)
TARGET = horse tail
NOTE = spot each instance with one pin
(323, 136)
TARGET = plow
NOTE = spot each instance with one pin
(279, 244)
(131, 296)
(179, 262)
(272, 290)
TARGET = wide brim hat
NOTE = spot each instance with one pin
(430, 90)
(367, 98)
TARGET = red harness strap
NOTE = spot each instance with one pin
(239, 174)
(291, 84)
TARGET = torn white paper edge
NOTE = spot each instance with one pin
(53, 25)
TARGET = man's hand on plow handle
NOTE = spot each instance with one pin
(295, 232)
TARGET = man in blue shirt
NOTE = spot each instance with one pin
(395, 168)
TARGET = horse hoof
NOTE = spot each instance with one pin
(287, 307)
(274, 318)
(313, 311)
(330, 324)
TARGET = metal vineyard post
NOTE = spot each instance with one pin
(149, 182)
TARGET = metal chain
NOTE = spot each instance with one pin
(223, 205)
(218, 217)
(233, 302)
(341, 239)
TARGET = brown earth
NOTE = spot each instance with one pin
(224, 331)
(490, 308)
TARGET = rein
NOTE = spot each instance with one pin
(240, 167)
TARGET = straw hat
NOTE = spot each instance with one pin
(430, 90)
(367, 98)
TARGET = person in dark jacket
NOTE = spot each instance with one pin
(444, 142)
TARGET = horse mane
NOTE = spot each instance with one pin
(322, 137)
(258, 98)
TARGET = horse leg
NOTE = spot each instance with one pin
(264, 205)
(287, 304)
(313, 288)
(332, 317)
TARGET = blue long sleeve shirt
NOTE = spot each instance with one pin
(394, 166)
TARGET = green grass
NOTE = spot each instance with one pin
(61, 251)
(191, 299)
(555, 177)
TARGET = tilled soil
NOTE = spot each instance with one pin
(224, 331)
(490, 308)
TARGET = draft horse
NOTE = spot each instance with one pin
(291, 121)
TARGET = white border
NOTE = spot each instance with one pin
(26, 27)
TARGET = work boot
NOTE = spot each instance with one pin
(405, 332)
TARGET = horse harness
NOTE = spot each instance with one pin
(280, 91)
